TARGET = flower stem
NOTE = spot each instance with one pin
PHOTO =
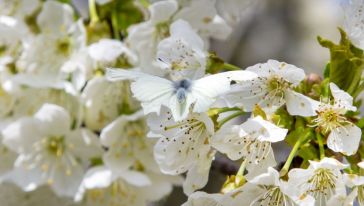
(231, 67)
(93, 11)
(228, 118)
(115, 25)
(321, 145)
(294, 150)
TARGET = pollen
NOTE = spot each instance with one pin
(329, 118)
(322, 184)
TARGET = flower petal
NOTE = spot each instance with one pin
(345, 139)
(299, 104)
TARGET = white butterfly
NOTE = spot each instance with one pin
(153, 91)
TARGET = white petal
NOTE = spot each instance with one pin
(54, 119)
(55, 17)
(271, 177)
(299, 104)
(27, 180)
(204, 199)
(182, 29)
(84, 144)
(20, 135)
(108, 50)
(138, 179)
(163, 10)
(262, 167)
(198, 175)
(275, 133)
(361, 164)
(67, 184)
(245, 194)
(352, 180)
(289, 72)
(226, 140)
(342, 98)
(97, 177)
(345, 139)
(327, 162)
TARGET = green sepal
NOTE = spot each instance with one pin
(346, 62)
(214, 63)
(96, 161)
(258, 111)
(282, 118)
(327, 71)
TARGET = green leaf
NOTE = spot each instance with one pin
(346, 63)
(121, 14)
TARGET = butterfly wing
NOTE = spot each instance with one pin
(207, 89)
(152, 91)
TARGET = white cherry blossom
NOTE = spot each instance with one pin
(127, 144)
(270, 90)
(356, 183)
(19, 9)
(353, 22)
(330, 117)
(101, 186)
(106, 52)
(203, 17)
(182, 54)
(321, 180)
(49, 151)
(252, 141)
(60, 38)
(183, 146)
(104, 101)
(143, 38)
(266, 189)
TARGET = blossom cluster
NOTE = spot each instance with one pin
(119, 108)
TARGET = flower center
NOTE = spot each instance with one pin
(276, 86)
(64, 46)
(135, 129)
(131, 142)
(273, 196)
(55, 145)
(322, 184)
(117, 194)
(329, 118)
(162, 30)
(187, 125)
